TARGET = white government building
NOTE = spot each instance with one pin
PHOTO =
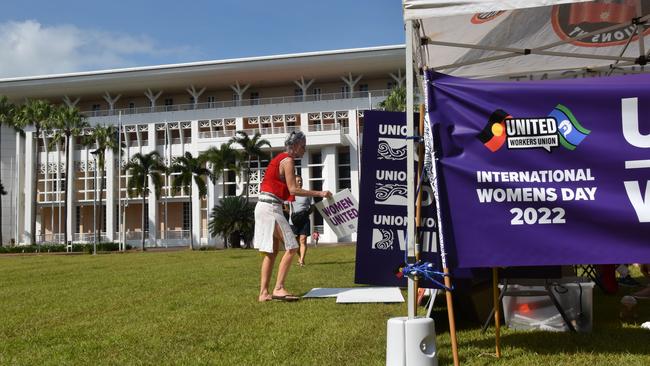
(189, 107)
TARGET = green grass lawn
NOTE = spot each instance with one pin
(200, 308)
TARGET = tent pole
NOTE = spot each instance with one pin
(418, 204)
(443, 257)
(497, 313)
(410, 208)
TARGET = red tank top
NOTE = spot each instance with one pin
(272, 182)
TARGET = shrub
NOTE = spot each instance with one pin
(233, 215)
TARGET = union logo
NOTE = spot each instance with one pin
(560, 127)
(572, 20)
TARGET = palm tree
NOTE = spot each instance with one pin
(7, 114)
(187, 169)
(220, 159)
(396, 100)
(68, 124)
(141, 167)
(103, 138)
(252, 148)
(37, 113)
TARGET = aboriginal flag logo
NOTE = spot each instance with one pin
(493, 134)
(559, 127)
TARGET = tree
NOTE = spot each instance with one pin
(37, 113)
(186, 170)
(141, 168)
(233, 215)
(396, 101)
(103, 138)
(220, 159)
(68, 124)
(7, 118)
(252, 148)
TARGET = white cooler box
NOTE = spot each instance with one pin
(539, 312)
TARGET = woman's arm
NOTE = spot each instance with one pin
(286, 167)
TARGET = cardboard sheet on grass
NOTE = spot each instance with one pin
(340, 212)
(358, 294)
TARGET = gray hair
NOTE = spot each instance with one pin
(294, 137)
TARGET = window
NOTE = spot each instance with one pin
(191, 100)
(168, 103)
(316, 92)
(255, 98)
(211, 101)
(345, 90)
(391, 85)
(363, 87)
(297, 94)
(96, 108)
(77, 218)
(103, 219)
(316, 158)
(186, 216)
(344, 168)
(131, 107)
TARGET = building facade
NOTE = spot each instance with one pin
(175, 109)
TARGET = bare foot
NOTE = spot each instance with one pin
(263, 298)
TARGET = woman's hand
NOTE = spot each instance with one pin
(325, 194)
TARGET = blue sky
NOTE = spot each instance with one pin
(45, 37)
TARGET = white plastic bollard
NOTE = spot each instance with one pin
(411, 342)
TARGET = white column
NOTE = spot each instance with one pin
(239, 123)
(153, 214)
(152, 200)
(110, 201)
(351, 82)
(29, 185)
(111, 101)
(330, 183)
(304, 122)
(71, 192)
(304, 86)
(20, 182)
(196, 215)
(355, 164)
(152, 98)
(212, 200)
(195, 94)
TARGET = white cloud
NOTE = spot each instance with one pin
(28, 48)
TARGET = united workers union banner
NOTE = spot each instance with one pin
(381, 235)
(543, 173)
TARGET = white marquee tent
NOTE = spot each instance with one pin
(514, 40)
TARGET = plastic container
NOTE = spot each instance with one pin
(539, 312)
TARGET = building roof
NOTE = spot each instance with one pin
(217, 74)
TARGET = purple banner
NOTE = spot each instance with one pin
(381, 237)
(543, 172)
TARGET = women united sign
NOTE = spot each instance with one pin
(543, 173)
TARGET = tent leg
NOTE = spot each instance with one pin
(497, 312)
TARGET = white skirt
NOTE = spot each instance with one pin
(266, 216)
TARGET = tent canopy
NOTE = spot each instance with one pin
(501, 39)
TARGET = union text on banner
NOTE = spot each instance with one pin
(381, 239)
(543, 173)
(340, 212)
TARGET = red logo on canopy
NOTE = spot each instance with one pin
(479, 18)
(572, 20)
